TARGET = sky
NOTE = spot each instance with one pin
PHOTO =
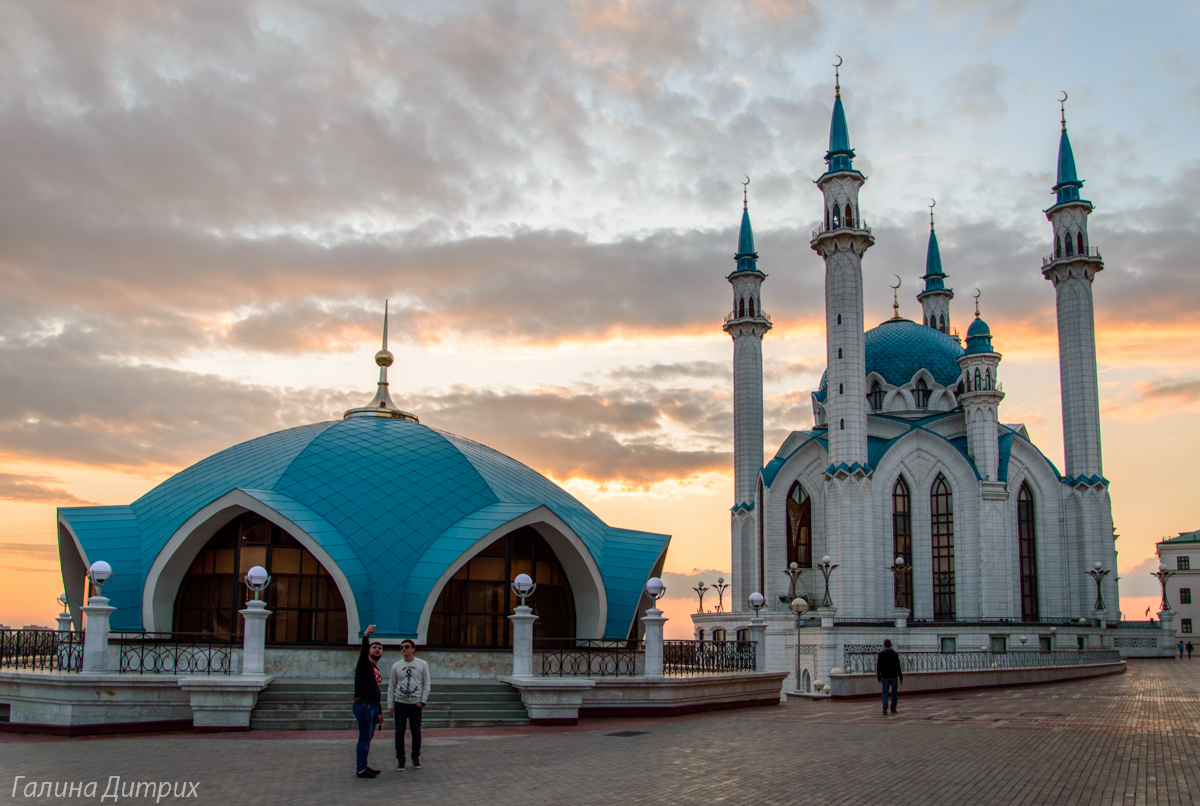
(204, 206)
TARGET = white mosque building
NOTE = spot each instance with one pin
(909, 457)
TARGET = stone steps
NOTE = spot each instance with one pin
(318, 704)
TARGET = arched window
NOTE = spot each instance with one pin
(806, 684)
(842, 425)
(849, 215)
(987, 378)
(902, 540)
(741, 307)
(304, 600)
(1070, 245)
(932, 321)
(718, 635)
(942, 529)
(752, 306)
(1027, 538)
(978, 381)
(942, 323)
(826, 218)
(839, 352)
(472, 609)
(837, 216)
(875, 396)
(839, 318)
(921, 394)
(1057, 246)
(841, 389)
(1079, 237)
(799, 527)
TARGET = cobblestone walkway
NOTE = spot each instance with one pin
(1128, 739)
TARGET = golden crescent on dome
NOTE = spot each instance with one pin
(932, 203)
(1063, 99)
(899, 282)
(839, 61)
(976, 293)
(747, 180)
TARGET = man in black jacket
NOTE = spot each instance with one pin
(889, 673)
(367, 710)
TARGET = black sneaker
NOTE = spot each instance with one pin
(367, 774)
(400, 765)
(416, 763)
(373, 770)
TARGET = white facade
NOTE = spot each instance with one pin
(1181, 556)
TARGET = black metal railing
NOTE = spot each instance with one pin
(864, 662)
(857, 226)
(1136, 625)
(175, 653)
(707, 657)
(41, 650)
(575, 657)
(1088, 251)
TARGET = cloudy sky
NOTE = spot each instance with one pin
(203, 207)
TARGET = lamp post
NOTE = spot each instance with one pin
(1162, 574)
(826, 567)
(95, 639)
(900, 613)
(794, 572)
(653, 622)
(758, 632)
(522, 619)
(700, 591)
(720, 588)
(255, 614)
(1097, 573)
(64, 618)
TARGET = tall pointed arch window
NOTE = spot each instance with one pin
(942, 529)
(987, 378)
(978, 381)
(849, 215)
(1079, 241)
(799, 527)
(902, 541)
(875, 396)
(1057, 246)
(837, 216)
(1027, 540)
(752, 306)
(741, 307)
(942, 323)
(921, 394)
(1070, 245)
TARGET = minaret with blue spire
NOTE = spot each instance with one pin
(841, 240)
(1072, 267)
(746, 325)
(935, 298)
(980, 398)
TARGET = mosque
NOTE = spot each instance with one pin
(371, 519)
(929, 508)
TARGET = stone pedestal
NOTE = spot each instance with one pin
(522, 620)
(827, 614)
(654, 621)
(64, 625)
(551, 700)
(223, 703)
(254, 642)
(900, 617)
(758, 634)
(95, 638)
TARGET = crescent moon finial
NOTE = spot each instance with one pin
(745, 186)
(895, 297)
(932, 204)
(1063, 99)
(976, 303)
(837, 78)
(839, 61)
(1062, 103)
(899, 282)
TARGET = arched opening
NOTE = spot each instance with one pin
(472, 609)
(978, 380)
(806, 682)
(842, 425)
(839, 352)
(987, 378)
(902, 541)
(1057, 246)
(942, 323)
(799, 527)
(932, 321)
(942, 529)
(1027, 540)
(841, 389)
(839, 318)
(921, 394)
(741, 307)
(306, 606)
(875, 396)
(849, 215)
(718, 635)
(827, 218)
(837, 216)
(1079, 241)
(752, 306)
(1070, 246)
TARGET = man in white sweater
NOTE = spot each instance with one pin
(408, 691)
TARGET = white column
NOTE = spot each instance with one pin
(758, 634)
(654, 621)
(95, 639)
(522, 620)
(254, 641)
(64, 625)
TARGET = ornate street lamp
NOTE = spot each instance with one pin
(1098, 575)
(655, 588)
(1163, 575)
(899, 568)
(794, 572)
(257, 579)
(523, 586)
(720, 588)
(101, 574)
(758, 602)
(62, 600)
(826, 567)
(700, 590)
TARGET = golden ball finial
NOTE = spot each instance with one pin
(384, 358)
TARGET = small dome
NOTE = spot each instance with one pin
(898, 348)
(978, 328)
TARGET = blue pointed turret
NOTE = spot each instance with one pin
(1069, 183)
(746, 257)
(934, 277)
(840, 155)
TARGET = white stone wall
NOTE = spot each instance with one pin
(747, 411)
(1077, 368)
(937, 305)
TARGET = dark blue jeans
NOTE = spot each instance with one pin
(893, 684)
(367, 714)
(410, 714)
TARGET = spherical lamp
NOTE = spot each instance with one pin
(524, 586)
(655, 588)
(101, 573)
(757, 601)
(799, 606)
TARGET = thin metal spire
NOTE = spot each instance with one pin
(381, 405)
(745, 187)
(1062, 104)
(976, 303)
(896, 298)
(933, 203)
(837, 78)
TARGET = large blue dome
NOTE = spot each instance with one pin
(393, 502)
(898, 348)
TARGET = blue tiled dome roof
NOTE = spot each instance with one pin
(978, 328)
(379, 494)
(898, 348)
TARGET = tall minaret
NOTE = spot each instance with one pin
(981, 398)
(747, 324)
(1087, 508)
(935, 299)
(1071, 268)
(841, 241)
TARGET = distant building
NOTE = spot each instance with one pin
(1181, 555)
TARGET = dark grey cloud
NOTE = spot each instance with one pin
(47, 552)
(1171, 390)
(34, 490)
(659, 371)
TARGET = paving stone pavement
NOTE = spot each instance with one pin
(1126, 739)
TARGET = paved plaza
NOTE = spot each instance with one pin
(1127, 739)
